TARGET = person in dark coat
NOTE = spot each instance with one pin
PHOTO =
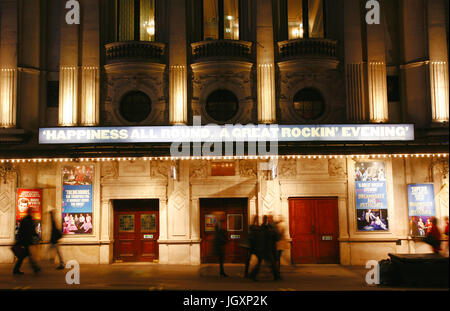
(54, 238)
(265, 249)
(433, 236)
(220, 240)
(251, 243)
(25, 236)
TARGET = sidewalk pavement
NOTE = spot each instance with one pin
(157, 277)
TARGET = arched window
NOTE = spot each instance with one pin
(135, 106)
(220, 19)
(136, 20)
(305, 19)
(309, 104)
(222, 105)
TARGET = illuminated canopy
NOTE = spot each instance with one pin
(227, 133)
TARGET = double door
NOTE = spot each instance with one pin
(232, 213)
(136, 230)
(314, 230)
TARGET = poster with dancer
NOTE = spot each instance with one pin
(77, 201)
(371, 196)
(420, 208)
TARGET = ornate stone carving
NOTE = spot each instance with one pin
(287, 168)
(247, 168)
(5, 201)
(199, 169)
(336, 168)
(159, 169)
(110, 169)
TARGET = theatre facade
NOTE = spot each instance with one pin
(98, 123)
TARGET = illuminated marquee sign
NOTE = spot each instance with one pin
(216, 133)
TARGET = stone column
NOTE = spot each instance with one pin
(376, 72)
(106, 231)
(177, 63)
(357, 109)
(437, 49)
(265, 58)
(195, 219)
(8, 62)
(414, 69)
(90, 73)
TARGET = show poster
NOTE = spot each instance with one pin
(29, 199)
(77, 201)
(371, 196)
(421, 208)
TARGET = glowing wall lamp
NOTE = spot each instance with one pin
(90, 96)
(439, 91)
(178, 95)
(378, 102)
(8, 98)
(266, 94)
(68, 96)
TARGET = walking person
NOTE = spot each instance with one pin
(251, 243)
(220, 240)
(24, 239)
(265, 249)
(433, 236)
(54, 238)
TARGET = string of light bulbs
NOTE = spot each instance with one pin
(214, 158)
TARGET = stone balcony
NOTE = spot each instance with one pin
(300, 48)
(222, 50)
(308, 52)
(135, 51)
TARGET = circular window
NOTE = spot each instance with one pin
(309, 104)
(135, 106)
(222, 105)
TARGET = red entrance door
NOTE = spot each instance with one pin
(136, 230)
(233, 212)
(314, 230)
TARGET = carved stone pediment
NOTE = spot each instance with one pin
(248, 168)
(199, 169)
(336, 168)
(159, 169)
(287, 168)
(110, 170)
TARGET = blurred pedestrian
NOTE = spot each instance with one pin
(220, 240)
(251, 243)
(265, 249)
(25, 237)
(433, 236)
(275, 237)
(56, 235)
(446, 226)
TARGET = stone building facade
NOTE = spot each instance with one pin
(230, 62)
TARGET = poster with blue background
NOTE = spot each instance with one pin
(77, 200)
(421, 208)
(371, 196)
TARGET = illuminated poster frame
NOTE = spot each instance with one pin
(421, 207)
(371, 196)
(77, 199)
(26, 199)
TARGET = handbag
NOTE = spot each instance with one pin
(19, 251)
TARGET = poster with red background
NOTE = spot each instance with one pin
(26, 199)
